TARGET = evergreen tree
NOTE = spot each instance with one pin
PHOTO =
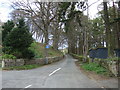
(19, 40)
(7, 27)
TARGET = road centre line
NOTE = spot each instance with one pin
(54, 71)
(28, 86)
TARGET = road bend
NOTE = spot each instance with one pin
(62, 74)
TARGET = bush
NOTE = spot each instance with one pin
(17, 54)
(28, 54)
(38, 56)
(6, 50)
(8, 56)
(37, 50)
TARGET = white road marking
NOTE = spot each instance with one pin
(54, 71)
(28, 86)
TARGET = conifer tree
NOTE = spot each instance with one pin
(19, 40)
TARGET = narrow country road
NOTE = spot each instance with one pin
(62, 74)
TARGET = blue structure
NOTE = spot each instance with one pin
(92, 53)
(98, 53)
(117, 52)
(47, 46)
(102, 53)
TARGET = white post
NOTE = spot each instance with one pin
(3, 63)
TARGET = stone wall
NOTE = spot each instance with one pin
(39, 61)
(111, 65)
(20, 62)
(12, 62)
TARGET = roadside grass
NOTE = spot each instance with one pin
(24, 67)
(52, 53)
(94, 67)
(39, 50)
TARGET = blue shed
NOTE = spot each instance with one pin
(92, 53)
(102, 53)
(117, 52)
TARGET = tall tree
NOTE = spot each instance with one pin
(42, 14)
(19, 40)
(97, 34)
(7, 27)
(107, 27)
(118, 23)
(72, 20)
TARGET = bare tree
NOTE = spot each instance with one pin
(41, 14)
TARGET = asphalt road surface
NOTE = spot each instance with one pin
(62, 74)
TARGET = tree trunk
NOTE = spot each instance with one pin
(80, 46)
(46, 34)
(85, 46)
(55, 41)
(114, 41)
(46, 38)
(107, 27)
(118, 30)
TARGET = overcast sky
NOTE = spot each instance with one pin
(5, 9)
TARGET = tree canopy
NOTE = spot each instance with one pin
(18, 40)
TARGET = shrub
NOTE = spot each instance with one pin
(28, 54)
(8, 56)
(17, 54)
(6, 50)
(36, 49)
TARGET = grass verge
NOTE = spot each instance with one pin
(94, 67)
(25, 67)
(39, 50)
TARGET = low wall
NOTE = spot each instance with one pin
(110, 65)
(80, 58)
(12, 62)
(20, 62)
(35, 61)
